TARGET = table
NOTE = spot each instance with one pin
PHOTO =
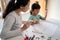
(44, 28)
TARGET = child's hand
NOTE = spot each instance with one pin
(36, 22)
(32, 23)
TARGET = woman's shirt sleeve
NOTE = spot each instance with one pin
(6, 31)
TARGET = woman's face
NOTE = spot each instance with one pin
(25, 8)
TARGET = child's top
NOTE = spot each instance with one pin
(37, 17)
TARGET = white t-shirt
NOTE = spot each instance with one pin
(11, 26)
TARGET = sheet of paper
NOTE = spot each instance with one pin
(46, 28)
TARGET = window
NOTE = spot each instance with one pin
(0, 10)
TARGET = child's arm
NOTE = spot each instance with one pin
(42, 18)
(45, 17)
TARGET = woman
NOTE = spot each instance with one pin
(12, 19)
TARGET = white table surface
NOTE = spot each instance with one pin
(48, 28)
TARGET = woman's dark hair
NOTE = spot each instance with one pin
(13, 5)
(35, 6)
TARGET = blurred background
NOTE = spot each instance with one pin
(51, 7)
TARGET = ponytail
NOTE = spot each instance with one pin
(9, 8)
(37, 2)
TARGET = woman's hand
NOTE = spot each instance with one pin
(25, 26)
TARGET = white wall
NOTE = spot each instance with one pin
(54, 9)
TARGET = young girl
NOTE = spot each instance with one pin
(12, 19)
(34, 12)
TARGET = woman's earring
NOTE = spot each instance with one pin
(15, 1)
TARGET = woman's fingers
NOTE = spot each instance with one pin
(26, 25)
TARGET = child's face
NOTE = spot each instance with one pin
(35, 12)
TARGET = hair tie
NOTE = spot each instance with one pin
(15, 1)
(37, 2)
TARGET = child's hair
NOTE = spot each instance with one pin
(13, 5)
(35, 6)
